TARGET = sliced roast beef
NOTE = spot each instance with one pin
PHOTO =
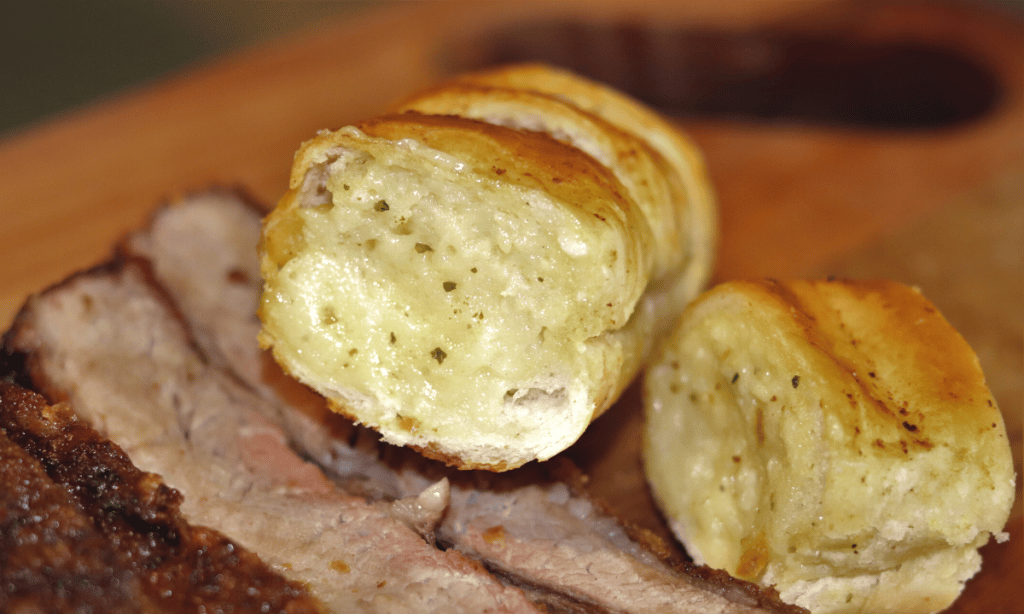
(108, 342)
(531, 529)
(202, 251)
(82, 529)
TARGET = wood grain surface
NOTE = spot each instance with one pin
(796, 197)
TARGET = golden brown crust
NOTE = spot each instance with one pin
(831, 421)
(700, 223)
(646, 175)
(908, 364)
(528, 159)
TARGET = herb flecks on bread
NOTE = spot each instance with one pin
(834, 439)
(475, 288)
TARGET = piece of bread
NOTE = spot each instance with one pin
(696, 214)
(834, 439)
(477, 291)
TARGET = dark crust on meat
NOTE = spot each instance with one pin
(178, 566)
(52, 559)
(735, 590)
(712, 580)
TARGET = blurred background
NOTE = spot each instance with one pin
(60, 54)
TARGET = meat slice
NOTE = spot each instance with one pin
(539, 530)
(84, 528)
(108, 343)
(532, 531)
(202, 251)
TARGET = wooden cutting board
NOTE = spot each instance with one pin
(834, 132)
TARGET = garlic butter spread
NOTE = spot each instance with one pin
(425, 295)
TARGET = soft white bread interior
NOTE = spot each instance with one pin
(834, 439)
(476, 291)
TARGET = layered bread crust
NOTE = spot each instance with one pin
(697, 209)
(643, 172)
(479, 288)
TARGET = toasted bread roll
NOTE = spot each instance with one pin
(834, 439)
(695, 215)
(649, 181)
(478, 291)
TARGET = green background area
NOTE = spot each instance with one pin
(58, 55)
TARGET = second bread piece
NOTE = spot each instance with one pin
(833, 439)
(463, 288)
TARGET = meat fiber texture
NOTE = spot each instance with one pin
(158, 351)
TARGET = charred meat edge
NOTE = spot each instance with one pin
(104, 534)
